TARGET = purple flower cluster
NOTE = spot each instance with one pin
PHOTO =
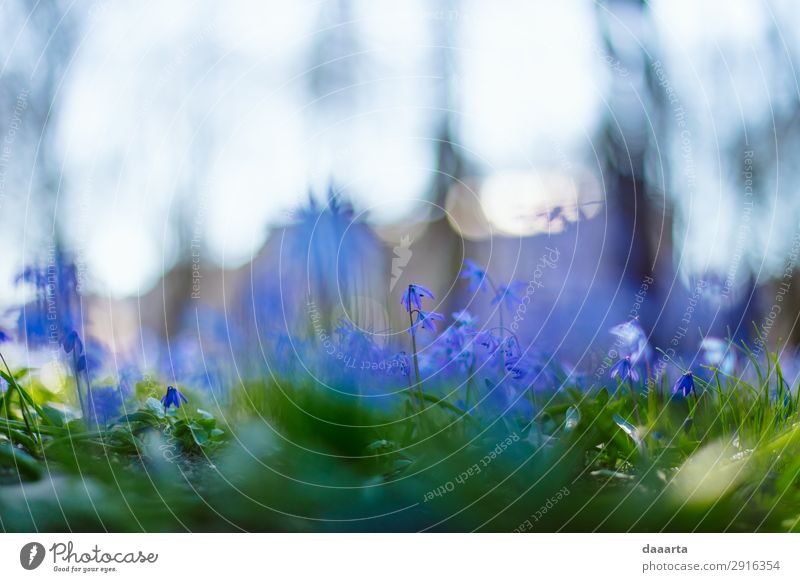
(412, 302)
(55, 310)
(295, 324)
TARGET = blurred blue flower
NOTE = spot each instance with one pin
(455, 346)
(464, 318)
(631, 340)
(32, 275)
(511, 349)
(717, 353)
(129, 375)
(326, 259)
(788, 405)
(105, 403)
(624, 370)
(192, 360)
(356, 342)
(412, 296)
(72, 342)
(516, 369)
(426, 319)
(4, 336)
(173, 397)
(89, 360)
(55, 310)
(684, 386)
(488, 339)
(508, 294)
(474, 274)
(400, 363)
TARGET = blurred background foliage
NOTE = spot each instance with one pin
(648, 132)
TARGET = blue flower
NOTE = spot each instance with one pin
(426, 319)
(508, 294)
(55, 309)
(631, 340)
(488, 340)
(511, 349)
(516, 370)
(105, 403)
(173, 397)
(90, 360)
(624, 370)
(464, 318)
(325, 255)
(356, 342)
(718, 354)
(72, 342)
(684, 386)
(788, 406)
(32, 275)
(455, 346)
(400, 362)
(412, 297)
(4, 336)
(475, 274)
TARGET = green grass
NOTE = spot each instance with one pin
(291, 457)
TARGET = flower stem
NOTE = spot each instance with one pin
(85, 413)
(416, 360)
(468, 394)
(536, 419)
(635, 403)
(499, 305)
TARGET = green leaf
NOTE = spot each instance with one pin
(155, 407)
(18, 437)
(75, 426)
(18, 459)
(21, 373)
(206, 423)
(25, 396)
(448, 405)
(56, 416)
(144, 416)
(200, 437)
(631, 431)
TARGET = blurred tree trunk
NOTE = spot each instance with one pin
(773, 143)
(636, 120)
(437, 252)
(450, 163)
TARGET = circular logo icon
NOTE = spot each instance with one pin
(31, 555)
